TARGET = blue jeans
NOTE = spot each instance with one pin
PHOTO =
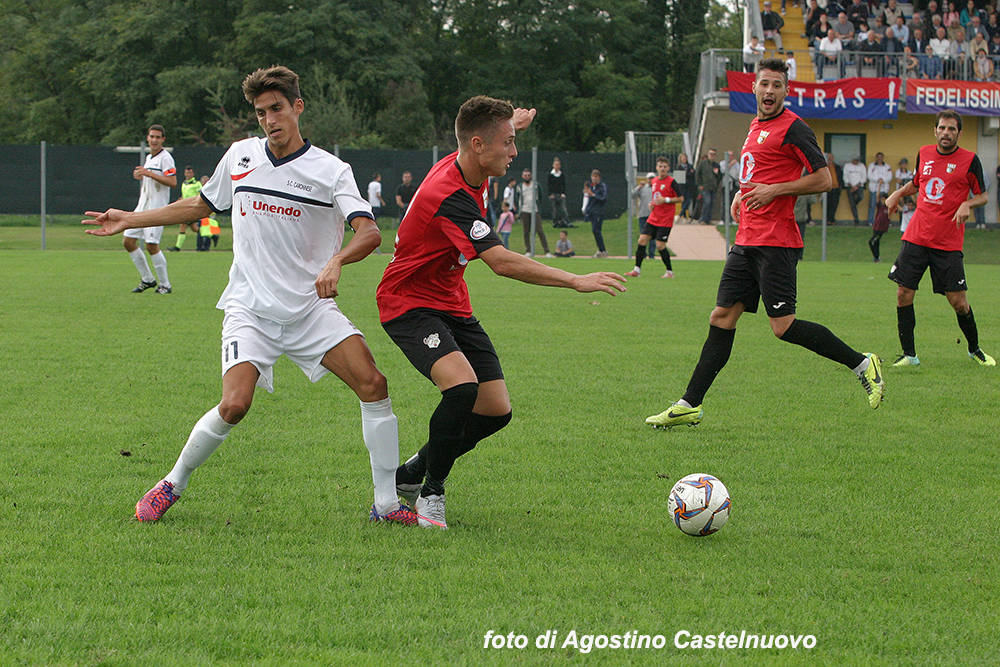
(706, 205)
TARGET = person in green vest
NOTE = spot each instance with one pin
(189, 188)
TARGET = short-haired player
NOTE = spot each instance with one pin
(424, 305)
(290, 202)
(779, 161)
(948, 183)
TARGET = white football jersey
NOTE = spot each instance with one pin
(151, 193)
(288, 221)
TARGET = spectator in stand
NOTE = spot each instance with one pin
(844, 28)
(872, 51)
(933, 9)
(857, 13)
(891, 12)
(753, 53)
(708, 175)
(917, 22)
(911, 64)
(901, 32)
(811, 16)
(952, 16)
(793, 68)
(772, 23)
(980, 41)
(684, 176)
(879, 27)
(995, 53)
(829, 57)
(936, 23)
(879, 179)
(855, 176)
(976, 27)
(959, 58)
(970, 12)
(983, 67)
(557, 194)
(819, 31)
(918, 46)
(893, 49)
(833, 196)
(993, 25)
(939, 48)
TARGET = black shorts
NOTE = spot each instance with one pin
(426, 335)
(752, 272)
(658, 233)
(947, 268)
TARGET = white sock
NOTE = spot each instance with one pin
(381, 434)
(683, 404)
(205, 437)
(862, 367)
(637, 268)
(139, 259)
(160, 265)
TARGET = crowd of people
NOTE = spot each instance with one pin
(946, 40)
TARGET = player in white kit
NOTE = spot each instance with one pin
(289, 203)
(157, 176)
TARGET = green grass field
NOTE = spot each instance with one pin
(876, 532)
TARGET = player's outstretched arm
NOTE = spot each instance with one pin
(114, 221)
(366, 238)
(965, 208)
(509, 264)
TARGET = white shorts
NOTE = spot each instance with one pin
(147, 234)
(247, 337)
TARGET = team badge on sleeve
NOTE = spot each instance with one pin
(479, 229)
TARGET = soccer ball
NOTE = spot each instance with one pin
(700, 504)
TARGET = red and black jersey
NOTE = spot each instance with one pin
(776, 151)
(662, 215)
(943, 182)
(443, 229)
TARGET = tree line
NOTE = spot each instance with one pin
(374, 73)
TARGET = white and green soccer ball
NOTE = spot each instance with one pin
(699, 504)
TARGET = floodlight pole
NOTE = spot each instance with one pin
(43, 184)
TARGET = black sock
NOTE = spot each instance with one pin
(640, 254)
(714, 355)
(414, 469)
(477, 428)
(445, 434)
(665, 256)
(906, 320)
(817, 338)
(967, 323)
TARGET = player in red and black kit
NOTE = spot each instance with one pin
(763, 260)
(661, 218)
(424, 303)
(945, 176)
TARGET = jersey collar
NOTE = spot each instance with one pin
(276, 162)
